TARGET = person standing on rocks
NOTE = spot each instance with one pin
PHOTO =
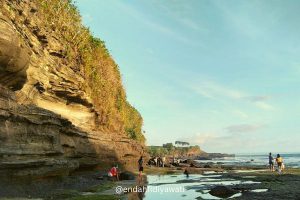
(163, 161)
(155, 160)
(141, 168)
(271, 162)
(186, 172)
(159, 162)
(279, 161)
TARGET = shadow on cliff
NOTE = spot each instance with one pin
(32, 137)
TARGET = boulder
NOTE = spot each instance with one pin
(207, 166)
(183, 165)
(126, 176)
(187, 161)
(222, 192)
(196, 164)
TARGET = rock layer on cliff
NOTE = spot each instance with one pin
(54, 118)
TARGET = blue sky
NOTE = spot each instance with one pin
(224, 75)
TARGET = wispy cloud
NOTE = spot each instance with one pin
(214, 90)
(180, 12)
(212, 142)
(258, 98)
(200, 139)
(244, 128)
(264, 105)
(152, 24)
(217, 91)
(261, 102)
(191, 24)
(241, 19)
(240, 114)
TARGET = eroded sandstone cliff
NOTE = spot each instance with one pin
(59, 111)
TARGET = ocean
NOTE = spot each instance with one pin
(291, 160)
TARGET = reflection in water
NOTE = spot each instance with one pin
(259, 190)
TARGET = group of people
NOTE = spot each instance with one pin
(278, 160)
(157, 161)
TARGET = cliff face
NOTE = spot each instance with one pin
(62, 104)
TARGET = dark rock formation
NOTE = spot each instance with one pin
(210, 156)
(222, 192)
(126, 176)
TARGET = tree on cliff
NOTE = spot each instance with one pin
(168, 146)
(182, 143)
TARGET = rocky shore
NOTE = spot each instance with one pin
(277, 186)
(236, 182)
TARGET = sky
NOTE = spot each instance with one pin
(224, 75)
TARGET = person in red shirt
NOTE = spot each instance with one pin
(113, 172)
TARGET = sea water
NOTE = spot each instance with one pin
(291, 160)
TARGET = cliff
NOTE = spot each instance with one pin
(62, 103)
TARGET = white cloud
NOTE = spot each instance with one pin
(217, 91)
(260, 102)
(214, 90)
(241, 19)
(264, 105)
(234, 143)
(199, 139)
(244, 128)
(259, 98)
(154, 25)
(240, 114)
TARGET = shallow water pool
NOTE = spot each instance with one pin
(181, 187)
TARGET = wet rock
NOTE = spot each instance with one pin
(207, 166)
(183, 165)
(222, 192)
(126, 176)
(196, 164)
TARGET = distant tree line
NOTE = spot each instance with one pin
(182, 143)
(170, 149)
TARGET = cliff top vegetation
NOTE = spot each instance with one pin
(95, 64)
